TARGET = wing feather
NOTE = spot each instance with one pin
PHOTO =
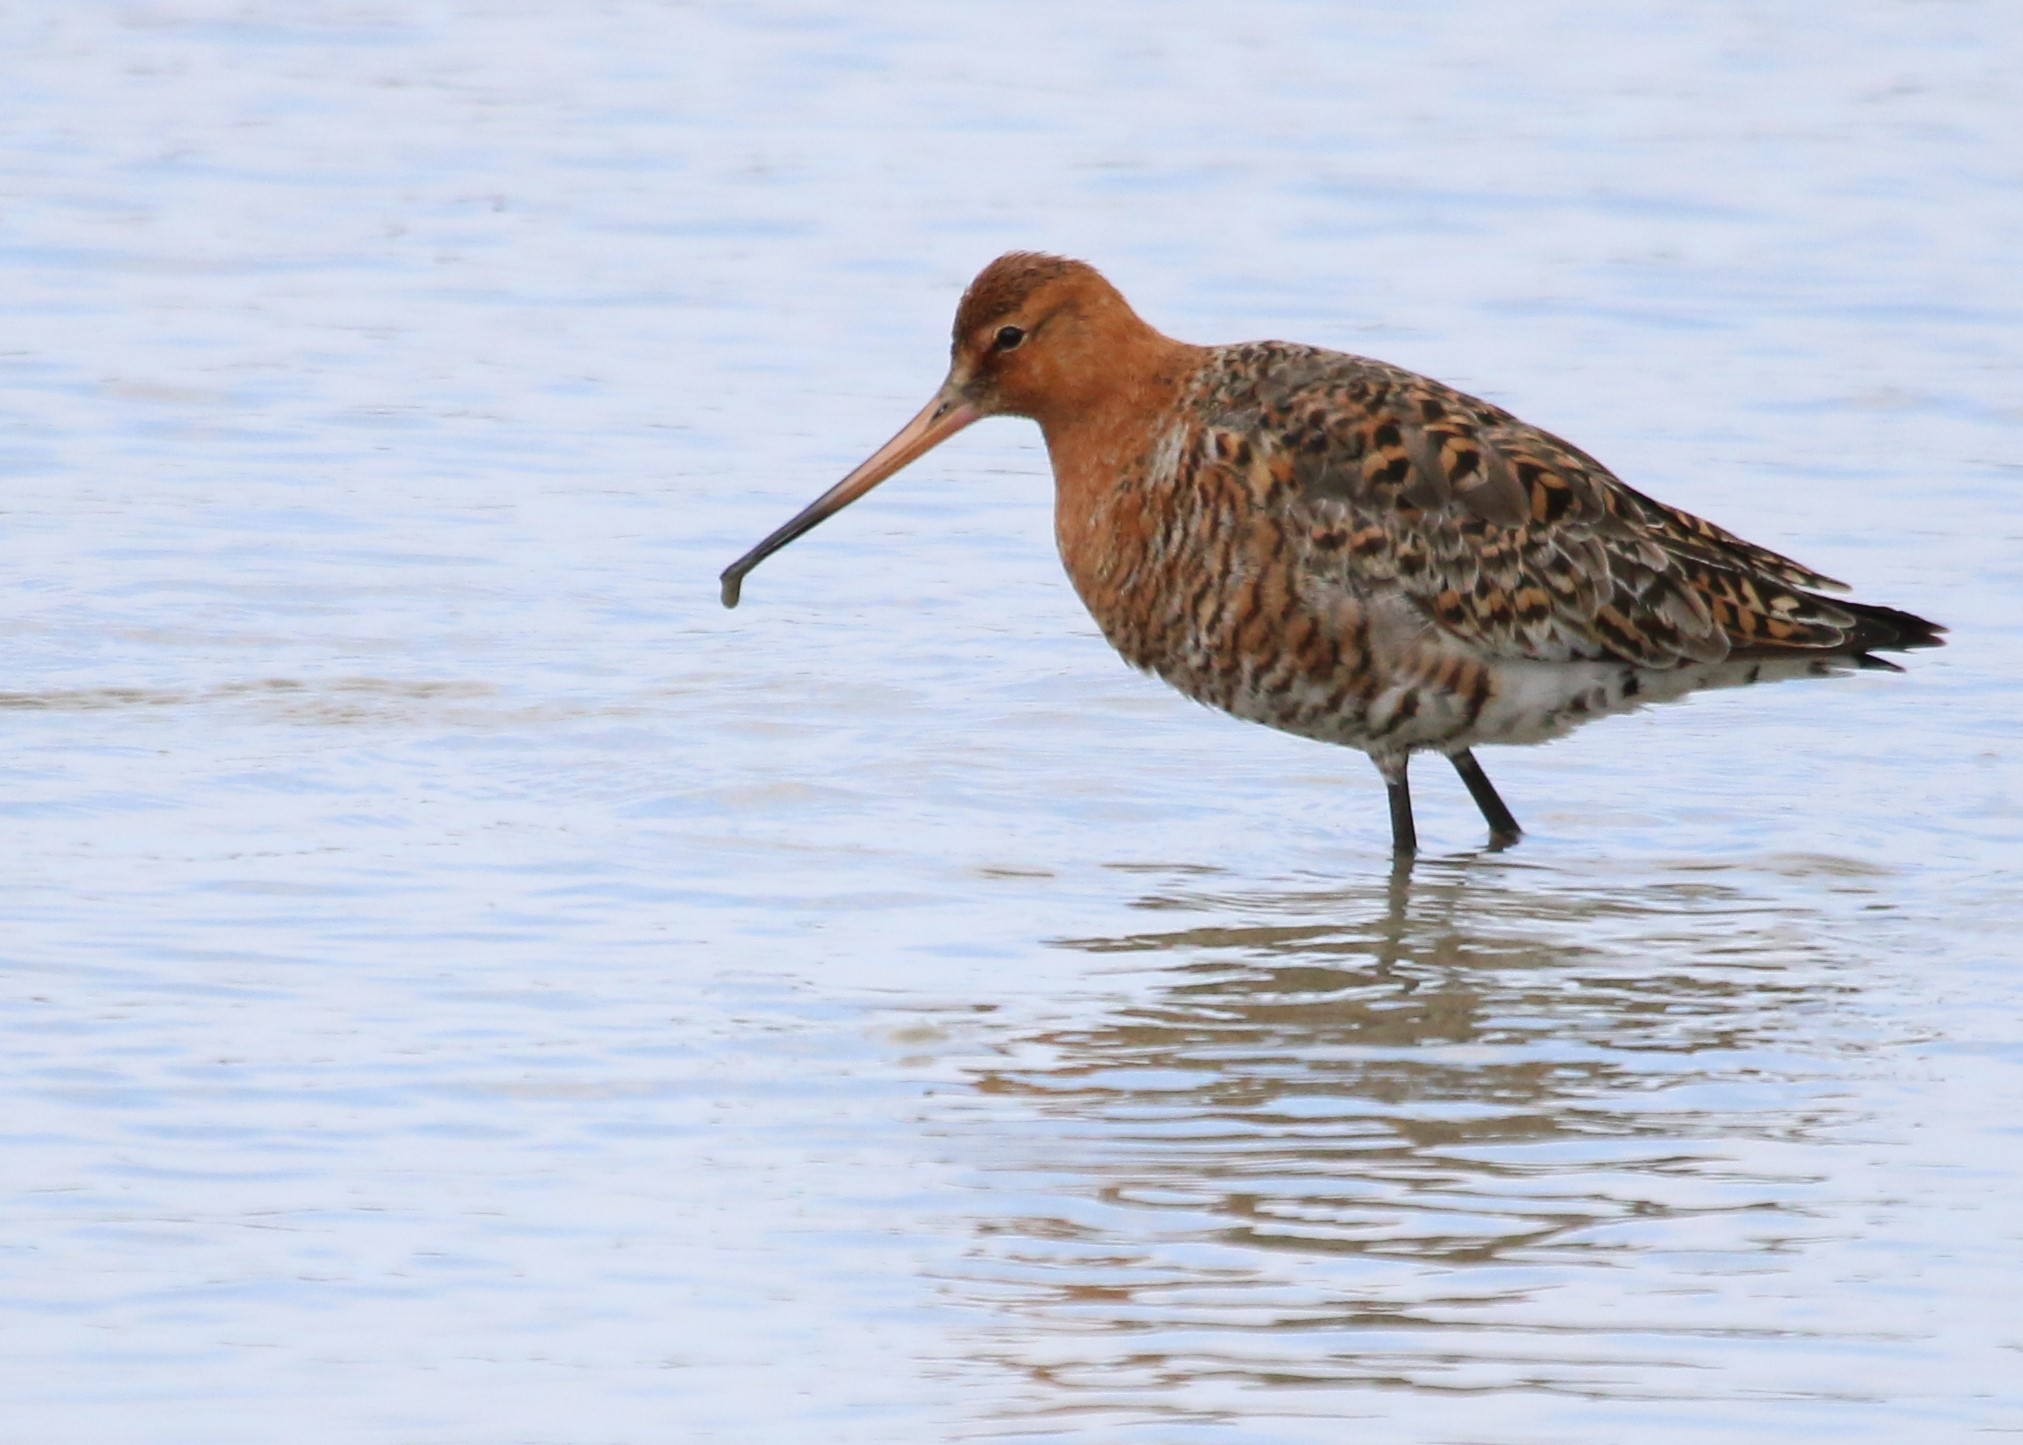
(1505, 536)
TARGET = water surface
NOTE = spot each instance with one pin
(461, 984)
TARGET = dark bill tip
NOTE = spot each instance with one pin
(939, 420)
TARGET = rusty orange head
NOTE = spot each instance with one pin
(1031, 338)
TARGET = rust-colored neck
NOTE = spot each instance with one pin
(1100, 435)
(1102, 438)
(1051, 339)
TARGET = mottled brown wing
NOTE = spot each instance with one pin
(1505, 535)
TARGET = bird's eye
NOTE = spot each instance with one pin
(1009, 337)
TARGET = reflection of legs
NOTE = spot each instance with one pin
(1404, 836)
(1503, 829)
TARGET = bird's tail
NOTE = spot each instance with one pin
(1886, 629)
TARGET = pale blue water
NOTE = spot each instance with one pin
(463, 985)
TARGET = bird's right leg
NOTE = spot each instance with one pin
(1404, 835)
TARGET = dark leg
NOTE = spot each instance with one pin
(1503, 829)
(1404, 836)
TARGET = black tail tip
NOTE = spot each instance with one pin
(1885, 629)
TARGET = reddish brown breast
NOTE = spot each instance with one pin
(1174, 525)
(1117, 507)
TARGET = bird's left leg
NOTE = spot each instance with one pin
(1503, 829)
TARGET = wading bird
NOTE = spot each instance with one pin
(1348, 551)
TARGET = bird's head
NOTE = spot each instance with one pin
(1035, 336)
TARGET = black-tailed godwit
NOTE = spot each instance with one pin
(1349, 551)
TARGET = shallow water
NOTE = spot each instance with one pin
(461, 984)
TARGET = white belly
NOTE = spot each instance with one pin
(1534, 702)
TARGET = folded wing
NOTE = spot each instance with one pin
(1507, 537)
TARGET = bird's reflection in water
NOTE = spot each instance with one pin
(1409, 1135)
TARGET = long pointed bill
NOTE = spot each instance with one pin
(939, 420)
